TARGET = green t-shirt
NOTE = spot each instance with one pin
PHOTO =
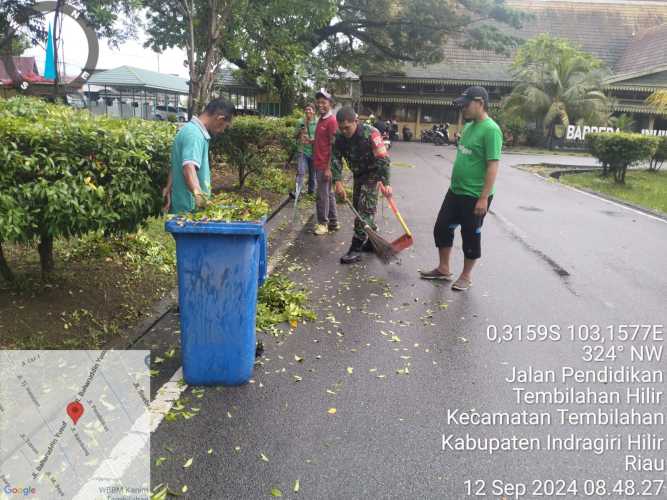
(190, 146)
(307, 149)
(480, 142)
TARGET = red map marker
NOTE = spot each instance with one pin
(75, 410)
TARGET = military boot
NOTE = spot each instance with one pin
(368, 246)
(354, 253)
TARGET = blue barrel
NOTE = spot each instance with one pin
(220, 266)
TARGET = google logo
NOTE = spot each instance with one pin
(25, 491)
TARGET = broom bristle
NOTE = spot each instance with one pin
(382, 247)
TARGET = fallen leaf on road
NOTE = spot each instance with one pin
(275, 492)
(159, 461)
(296, 486)
(210, 450)
(263, 457)
(332, 411)
(350, 370)
(184, 488)
(187, 464)
(297, 378)
(298, 359)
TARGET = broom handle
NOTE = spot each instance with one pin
(394, 208)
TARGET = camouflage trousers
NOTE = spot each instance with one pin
(365, 201)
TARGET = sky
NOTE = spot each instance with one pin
(131, 53)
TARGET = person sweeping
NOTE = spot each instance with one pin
(363, 149)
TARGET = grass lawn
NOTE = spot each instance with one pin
(648, 189)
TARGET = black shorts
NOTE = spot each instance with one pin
(458, 209)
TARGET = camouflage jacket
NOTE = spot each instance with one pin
(364, 153)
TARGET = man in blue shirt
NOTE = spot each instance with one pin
(189, 183)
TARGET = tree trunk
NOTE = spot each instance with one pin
(242, 176)
(45, 248)
(5, 270)
(286, 104)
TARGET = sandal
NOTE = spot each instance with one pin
(461, 284)
(435, 275)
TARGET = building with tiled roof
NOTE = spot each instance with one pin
(630, 36)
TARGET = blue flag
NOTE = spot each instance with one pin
(50, 66)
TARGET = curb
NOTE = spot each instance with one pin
(556, 175)
(170, 302)
(647, 211)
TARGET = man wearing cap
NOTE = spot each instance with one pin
(327, 217)
(469, 196)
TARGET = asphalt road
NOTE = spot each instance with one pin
(551, 256)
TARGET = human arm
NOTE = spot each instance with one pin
(493, 143)
(382, 161)
(482, 204)
(192, 182)
(332, 127)
(337, 168)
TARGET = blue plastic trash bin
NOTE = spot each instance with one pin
(220, 267)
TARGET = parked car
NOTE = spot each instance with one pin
(163, 113)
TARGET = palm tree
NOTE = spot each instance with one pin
(558, 84)
(658, 99)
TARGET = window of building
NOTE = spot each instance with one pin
(402, 112)
(371, 87)
(399, 88)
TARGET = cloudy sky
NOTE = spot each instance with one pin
(131, 53)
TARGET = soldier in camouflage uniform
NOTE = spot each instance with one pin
(363, 149)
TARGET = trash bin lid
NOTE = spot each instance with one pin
(183, 226)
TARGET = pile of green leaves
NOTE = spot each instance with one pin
(64, 172)
(280, 301)
(230, 207)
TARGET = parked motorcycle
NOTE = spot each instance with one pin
(407, 134)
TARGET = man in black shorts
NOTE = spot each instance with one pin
(472, 188)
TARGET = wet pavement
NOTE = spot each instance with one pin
(355, 404)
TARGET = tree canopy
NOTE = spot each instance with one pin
(284, 42)
(558, 83)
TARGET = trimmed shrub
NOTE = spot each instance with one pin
(64, 173)
(253, 143)
(618, 151)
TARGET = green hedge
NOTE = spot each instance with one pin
(253, 143)
(618, 151)
(64, 173)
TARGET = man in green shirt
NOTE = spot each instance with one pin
(189, 183)
(472, 188)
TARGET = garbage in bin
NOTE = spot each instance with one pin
(220, 267)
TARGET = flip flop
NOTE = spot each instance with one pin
(435, 274)
(461, 285)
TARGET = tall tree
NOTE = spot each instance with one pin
(281, 37)
(201, 28)
(558, 84)
(281, 42)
